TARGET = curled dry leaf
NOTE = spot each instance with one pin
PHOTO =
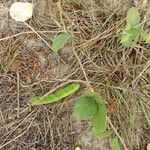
(21, 11)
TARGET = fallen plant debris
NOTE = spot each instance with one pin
(101, 47)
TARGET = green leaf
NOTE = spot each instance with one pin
(60, 40)
(85, 108)
(58, 95)
(127, 27)
(103, 134)
(130, 36)
(135, 31)
(132, 29)
(115, 144)
(126, 40)
(95, 96)
(133, 16)
(99, 121)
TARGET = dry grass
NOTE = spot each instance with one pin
(95, 58)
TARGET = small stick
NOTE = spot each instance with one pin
(121, 140)
(18, 95)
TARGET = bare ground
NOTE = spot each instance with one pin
(95, 59)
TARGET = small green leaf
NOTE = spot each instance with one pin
(132, 29)
(126, 40)
(127, 27)
(129, 37)
(135, 31)
(99, 121)
(58, 95)
(60, 40)
(133, 16)
(103, 134)
(115, 144)
(85, 108)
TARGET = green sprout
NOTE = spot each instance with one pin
(133, 29)
(91, 106)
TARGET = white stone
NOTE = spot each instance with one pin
(21, 11)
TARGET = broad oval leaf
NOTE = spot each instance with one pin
(60, 40)
(99, 121)
(103, 134)
(115, 144)
(58, 95)
(133, 16)
(85, 108)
